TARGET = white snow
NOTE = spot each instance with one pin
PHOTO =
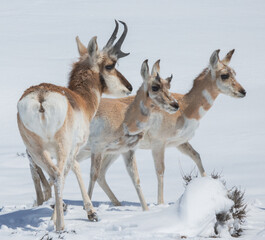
(194, 214)
(37, 44)
(202, 200)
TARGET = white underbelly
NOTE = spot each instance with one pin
(184, 134)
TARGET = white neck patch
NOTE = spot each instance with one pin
(202, 111)
(144, 110)
(207, 96)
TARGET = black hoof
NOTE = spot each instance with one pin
(93, 217)
(64, 206)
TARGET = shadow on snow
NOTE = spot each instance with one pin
(98, 203)
(25, 219)
(28, 219)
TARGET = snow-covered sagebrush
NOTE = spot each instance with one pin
(229, 220)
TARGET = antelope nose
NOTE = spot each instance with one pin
(130, 88)
(175, 105)
(243, 92)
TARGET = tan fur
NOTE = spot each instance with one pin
(167, 130)
(122, 131)
(86, 85)
(134, 114)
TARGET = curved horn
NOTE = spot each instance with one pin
(117, 46)
(113, 36)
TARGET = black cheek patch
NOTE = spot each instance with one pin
(103, 83)
(124, 81)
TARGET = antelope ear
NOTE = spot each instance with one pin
(81, 48)
(169, 78)
(168, 83)
(157, 78)
(227, 58)
(156, 68)
(92, 48)
(145, 70)
(214, 58)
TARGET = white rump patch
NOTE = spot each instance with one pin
(44, 124)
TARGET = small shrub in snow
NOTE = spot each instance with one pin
(233, 220)
(188, 177)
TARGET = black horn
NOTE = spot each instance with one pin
(113, 36)
(117, 47)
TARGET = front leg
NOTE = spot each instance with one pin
(158, 152)
(187, 149)
(131, 166)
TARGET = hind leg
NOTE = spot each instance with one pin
(91, 213)
(56, 173)
(36, 180)
(106, 163)
(39, 181)
(187, 149)
(47, 191)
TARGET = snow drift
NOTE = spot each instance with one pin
(195, 213)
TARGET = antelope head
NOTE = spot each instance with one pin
(104, 62)
(158, 88)
(225, 75)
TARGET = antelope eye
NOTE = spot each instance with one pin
(155, 88)
(224, 76)
(109, 67)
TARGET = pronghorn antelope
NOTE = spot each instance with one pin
(54, 121)
(172, 130)
(113, 136)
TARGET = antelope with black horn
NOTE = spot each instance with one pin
(54, 121)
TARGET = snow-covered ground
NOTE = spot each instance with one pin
(37, 44)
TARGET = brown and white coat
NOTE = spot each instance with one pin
(54, 121)
(172, 130)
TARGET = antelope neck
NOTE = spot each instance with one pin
(201, 97)
(88, 85)
(138, 112)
